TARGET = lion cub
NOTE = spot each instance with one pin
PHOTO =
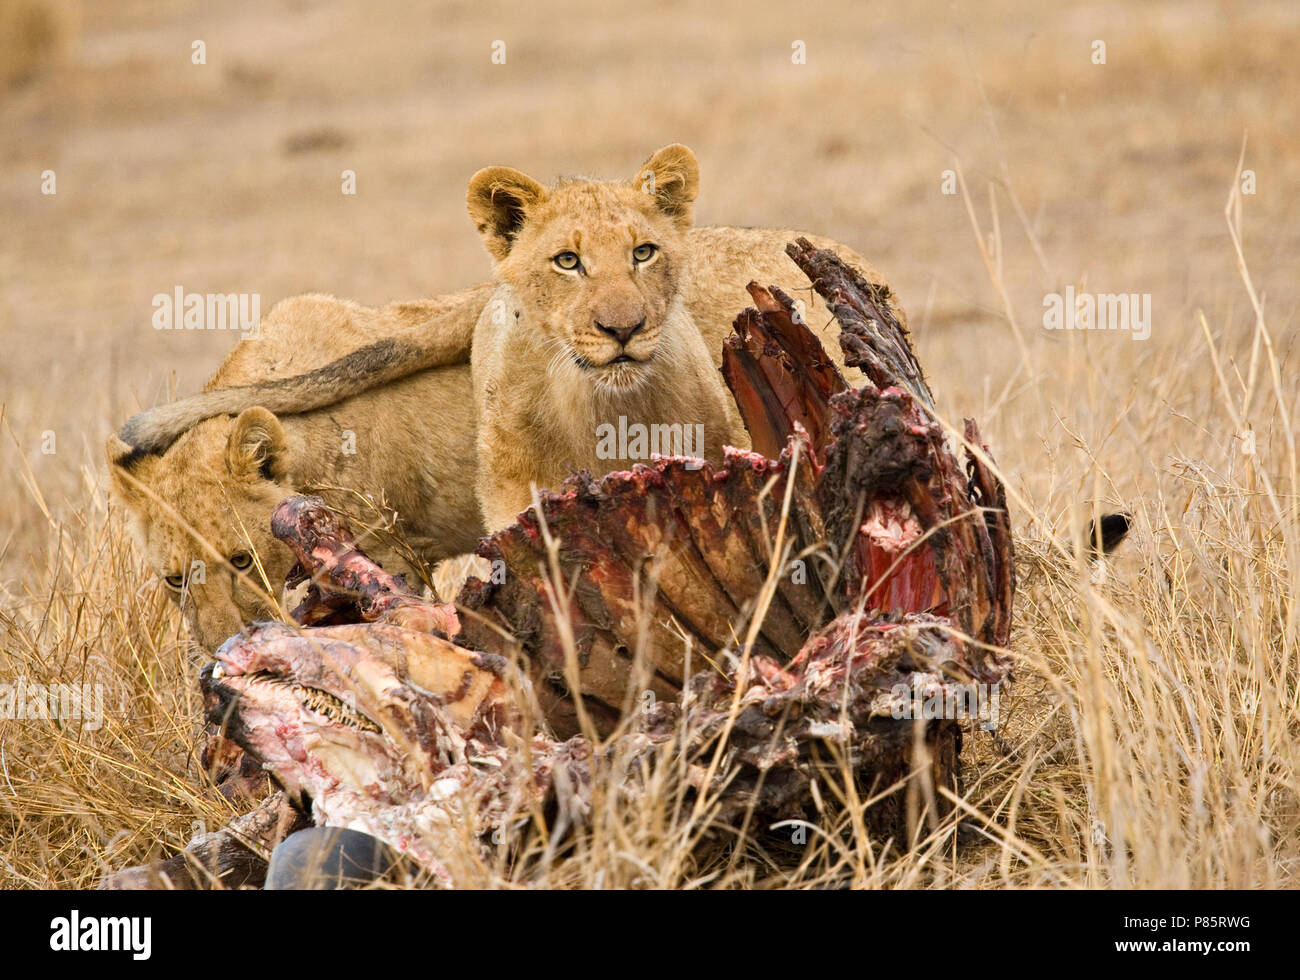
(602, 343)
(201, 511)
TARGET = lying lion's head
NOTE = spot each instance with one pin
(201, 515)
(596, 265)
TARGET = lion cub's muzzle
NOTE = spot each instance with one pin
(621, 345)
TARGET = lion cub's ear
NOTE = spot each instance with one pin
(122, 466)
(257, 446)
(672, 175)
(498, 200)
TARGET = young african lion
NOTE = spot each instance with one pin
(408, 445)
(609, 319)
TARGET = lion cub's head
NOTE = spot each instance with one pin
(597, 265)
(201, 513)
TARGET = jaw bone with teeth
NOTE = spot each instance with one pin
(409, 722)
(383, 729)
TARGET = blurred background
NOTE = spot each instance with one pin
(1154, 723)
(225, 176)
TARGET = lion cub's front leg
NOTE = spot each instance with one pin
(511, 462)
(502, 497)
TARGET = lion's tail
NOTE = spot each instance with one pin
(445, 341)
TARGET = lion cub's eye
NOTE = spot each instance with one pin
(568, 261)
(241, 560)
(644, 253)
(175, 582)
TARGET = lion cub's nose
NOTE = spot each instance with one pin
(621, 334)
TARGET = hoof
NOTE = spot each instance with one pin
(331, 858)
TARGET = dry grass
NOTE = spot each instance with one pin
(1153, 737)
(79, 801)
(1154, 733)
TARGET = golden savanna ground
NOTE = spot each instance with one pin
(1153, 738)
